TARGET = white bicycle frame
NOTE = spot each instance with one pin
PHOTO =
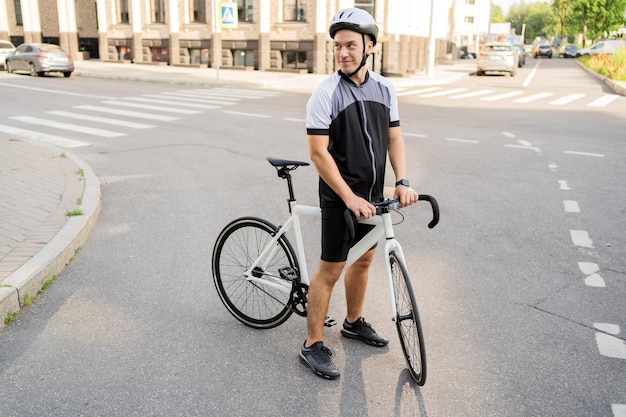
(383, 228)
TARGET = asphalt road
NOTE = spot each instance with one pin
(515, 319)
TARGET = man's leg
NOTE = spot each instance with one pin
(356, 285)
(320, 290)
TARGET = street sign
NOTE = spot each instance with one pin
(228, 15)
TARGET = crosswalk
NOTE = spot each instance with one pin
(118, 117)
(514, 96)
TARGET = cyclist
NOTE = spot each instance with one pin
(352, 124)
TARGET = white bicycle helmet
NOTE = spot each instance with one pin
(354, 19)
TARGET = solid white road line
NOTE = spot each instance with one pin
(462, 140)
(567, 99)
(604, 100)
(194, 98)
(256, 93)
(42, 137)
(68, 126)
(127, 113)
(105, 120)
(532, 74)
(204, 94)
(415, 135)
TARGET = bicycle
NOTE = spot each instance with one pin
(262, 281)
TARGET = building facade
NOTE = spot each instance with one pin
(269, 35)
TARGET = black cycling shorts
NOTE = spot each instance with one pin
(335, 245)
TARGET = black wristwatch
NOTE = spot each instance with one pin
(402, 182)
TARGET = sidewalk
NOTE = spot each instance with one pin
(39, 185)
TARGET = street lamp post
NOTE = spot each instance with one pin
(432, 45)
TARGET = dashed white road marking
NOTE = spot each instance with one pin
(264, 116)
(502, 96)
(563, 185)
(567, 99)
(444, 93)
(42, 137)
(533, 98)
(608, 328)
(173, 103)
(472, 94)
(105, 120)
(415, 135)
(597, 155)
(593, 279)
(552, 166)
(420, 91)
(149, 107)
(531, 148)
(581, 238)
(462, 140)
(508, 134)
(127, 113)
(68, 126)
(292, 119)
(604, 100)
(619, 410)
(571, 206)
(611, 346)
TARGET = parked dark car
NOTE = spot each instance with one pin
(543, 49)
(568, 51)
(521, 61)
(40, 58)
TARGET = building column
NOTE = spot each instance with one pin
(320, 39)
(135, 10)
(68, 36)
(103, 39)
(32, 21)
(216, 39)
(174, 49)
(265, 44)
(4, 21)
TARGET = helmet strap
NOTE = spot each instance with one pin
(363, 61)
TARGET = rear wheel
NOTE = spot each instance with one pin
(33, 70)
(67, 74)
(9, 67)
(408, 321)
(255, 302)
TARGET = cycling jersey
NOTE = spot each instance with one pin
(357, 119)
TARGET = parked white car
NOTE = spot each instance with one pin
(497, 57)
(603, 47)
(6, 48)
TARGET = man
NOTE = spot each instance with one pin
(352, 124)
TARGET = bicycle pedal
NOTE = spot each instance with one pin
(329, 321)
(288, 273)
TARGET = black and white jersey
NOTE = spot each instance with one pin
(357, 119)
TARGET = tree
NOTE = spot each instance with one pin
(597, 18)
(538, 17)
(496, 14)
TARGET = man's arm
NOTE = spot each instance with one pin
(328, 171)
(397, 157)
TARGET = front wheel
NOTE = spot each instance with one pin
(408, 320)
(263, 300)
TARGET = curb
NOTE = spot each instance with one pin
(29, 279)
(616, 86)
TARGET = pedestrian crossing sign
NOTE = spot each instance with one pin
(228, 15)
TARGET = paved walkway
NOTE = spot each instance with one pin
(40, 185)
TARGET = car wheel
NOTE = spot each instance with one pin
(33, 70)
(67, 74)
(9, 67)
(479, 73)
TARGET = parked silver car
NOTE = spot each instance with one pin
(6, 48)
(497, 57)
(39, 58)
(603, 47)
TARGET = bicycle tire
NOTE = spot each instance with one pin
(250, 302)
(408, 321)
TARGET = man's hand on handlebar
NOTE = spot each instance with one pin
(361, 208)
(406, 195)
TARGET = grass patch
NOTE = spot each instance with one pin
(10, 317)
(75, 212)
(611, 66)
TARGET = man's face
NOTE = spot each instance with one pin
(349, 49)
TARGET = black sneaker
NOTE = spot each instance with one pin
(363, 331)
(317, 357)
